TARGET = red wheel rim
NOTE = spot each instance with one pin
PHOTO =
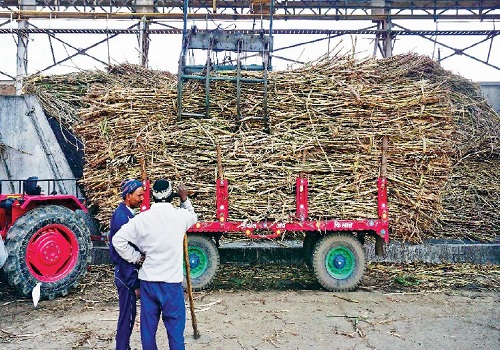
(52, 253)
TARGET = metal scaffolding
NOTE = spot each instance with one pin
(27, 19)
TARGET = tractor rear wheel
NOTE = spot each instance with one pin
(339, 262)
(48, 245)
(204, 261)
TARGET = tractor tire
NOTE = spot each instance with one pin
(204, 261)
(91, 222)
(339, 262)
(308, 246)
(48, 245)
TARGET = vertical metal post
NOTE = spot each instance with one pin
(385, 25)
(207, 81)
(144, 7)
(22, 46)
(267, 66)
(144, 42)
(21, 56)
(387, 43)
(182, 60)
(270, 48)
(301, 198)
(266, 116)
(238, 81)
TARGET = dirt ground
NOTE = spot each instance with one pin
(283, 307)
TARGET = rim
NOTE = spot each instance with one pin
(340, 262)
(198, 262)
(52, 253)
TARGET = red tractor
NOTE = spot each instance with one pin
(47, 236)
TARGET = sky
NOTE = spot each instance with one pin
(165, 49)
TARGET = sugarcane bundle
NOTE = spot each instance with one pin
(326, 119)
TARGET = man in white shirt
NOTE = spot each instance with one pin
(159, 233)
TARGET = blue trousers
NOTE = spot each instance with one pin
(166, 299)
(126, 318)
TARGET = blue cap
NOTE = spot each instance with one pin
(129, 186)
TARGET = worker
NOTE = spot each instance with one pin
(3, 253)
(159, 234)
(126, 277)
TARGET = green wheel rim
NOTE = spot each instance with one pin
(340, 262)
(198, 261)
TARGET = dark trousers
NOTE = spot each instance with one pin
(166, 299)
(126, 318)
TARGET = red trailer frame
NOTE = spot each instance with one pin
(379, 226)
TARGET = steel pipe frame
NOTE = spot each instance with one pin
(456, 51)
(286, 5)
(111, 33)
(394, 32)
(26, 14)
(286, 10)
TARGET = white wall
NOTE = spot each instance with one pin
(28, 146)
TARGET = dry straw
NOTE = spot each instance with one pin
(327, 120)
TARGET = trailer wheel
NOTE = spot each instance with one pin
(339, 262)
(51, 245)
(308, 245)
(204, 261)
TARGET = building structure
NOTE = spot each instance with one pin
(324, 20)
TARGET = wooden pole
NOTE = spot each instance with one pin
(196, 333)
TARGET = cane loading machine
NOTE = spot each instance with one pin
(242, 43)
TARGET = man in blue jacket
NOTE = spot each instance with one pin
(126, 278)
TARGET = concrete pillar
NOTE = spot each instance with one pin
(387, 42)
(491, 92)
(143, 42)
(378, 8)
(143, 7)
(22, 46)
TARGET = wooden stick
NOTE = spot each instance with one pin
(383, 165)
(219, 163)
(196, 333)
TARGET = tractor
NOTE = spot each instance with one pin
(47, 236)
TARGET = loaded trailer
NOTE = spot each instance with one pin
(332, 247)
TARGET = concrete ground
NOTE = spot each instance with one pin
(277, 307)
(274, 320)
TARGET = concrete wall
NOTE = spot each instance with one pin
(28, 146)
(491, 91)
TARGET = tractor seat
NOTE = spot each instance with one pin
(30, 186)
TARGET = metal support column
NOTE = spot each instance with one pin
(383, 40)
(144, 7)
(22, 46)
(387, 42)
(144, 42)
